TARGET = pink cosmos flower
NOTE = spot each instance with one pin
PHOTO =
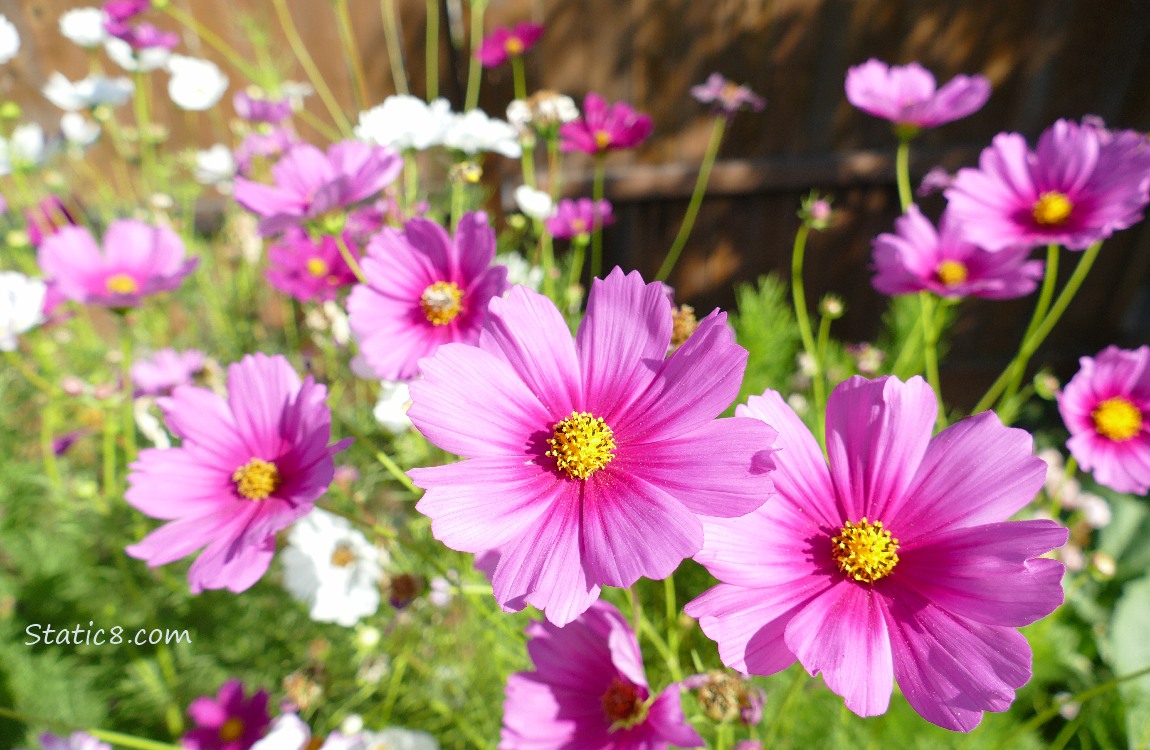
(143, 35)
(74, 741)
(138, 260)
(310, 185)
(248, 466)
(260, 110)
(158, 374)
(45, 218)
(573, 218)
(589, 461)
(270, 144)
(1081, 184)
(906, 94)
(919, 258)
(308, 270)
(424, 289)
(727, 97)
(897, 562)
(589, 691)
(1106, 407)
(124, 10)
(229, 721)
(503, 44)
(604, 128)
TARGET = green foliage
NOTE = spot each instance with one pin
(765, 325)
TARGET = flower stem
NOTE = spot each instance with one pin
(213, 40)
(902, 173)
(688, 224)
(672, 613)
(474, 68)
(554, 178)
(410, 182)
(547, 254)
(393, 469)
(352, 263)
(129, 414)
(394, 46)
(351, 53)
(804, 321)
(108, 447)
(578, 253)
(519, 77)
(597, 187)
(143, 128)
(33, 377)
(431, 49)
(930, 334)
(116, 738)
(299, 49)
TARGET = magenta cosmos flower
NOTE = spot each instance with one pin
(907, 95)
(589, 461)
(74, 741)
(589, 691)
(308, 270)
(1106, 407)
(1081, 184)
(165, 369)
(424, 289)
(574, 218)
(727, 97)
(918, 258)
(503, 44)
(897, 562)
(310, 186)
(252, 106)
(248, 466)
(229, 721)
(138, 260)
(604, 128)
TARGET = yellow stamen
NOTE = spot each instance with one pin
(317, 267)
(864, 551)
(602, 139)
(513, 46)
(257, 479)
(582, 444)
(684, 324)
(441, 302)
(1052, 209)
(343, 557)
(231, 730)
(952, 272)
(1117, 418)
(122, 283)
(623, 705)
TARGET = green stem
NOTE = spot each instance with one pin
(597, 188)
(688, 224)
(554, 178)
(315, 77)
(478, 7)
(115, 738)
(410, 182)
(108, 447)
(792, 690)
(902, 173)
(458, 202)
(519, 76)
(527, 159)
(380, 531)
(804, 321)
(724, 737)
(143, 128)
(351, 53)
(228, 52)
(930, 333)
(431, 49)
(547, 253)
(672, 614)
(33, 377)
(393, 469)
(47, 450)
(129, 414)
(352, 263)
(578, 253)
(394, 49)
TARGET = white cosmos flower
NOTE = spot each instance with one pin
(215, 165)
(474, 132)
(92, 91)
(333, 568)
(26, 148)
(394, 738)
(21, 306)
(9, 40)
(287, 732)
(84, 26)
(79, 130)
(144, 61)
(520, 271)
(195, 84)
(391, 408)
(405, 122)
(535, 204)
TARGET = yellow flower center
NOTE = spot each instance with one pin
(623, 705)
(582, 444)
(602, 139)
(441, 302)
(231, 730)
(513, 46)
(122, 283)
(1117, 419)
(579, 226)
(257, 479)
(1052, 209)
(864, 551)
(317, 267)
(343, 557)
(952, 272)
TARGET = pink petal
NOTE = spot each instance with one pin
(228, 564)
(260, 388)
(180, 538)
(666, 722)
(202, 418)
(474, 244)
(175, 483)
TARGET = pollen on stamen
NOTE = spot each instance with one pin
(623, 705)
(513, 46)
(122, 283)
(257, 479)
(1052, 209)
(317, 267)
(602, 139)
(581, 444)
(231, 730)
(1117, 418)
(952, 272)
(441, 302)
(865, 551)
(343, 557)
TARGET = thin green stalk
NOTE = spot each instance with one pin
(410, 181)
(458, 201)
(211, 39)
(380, 531)
(478, 7)
(672, 614)
(21, 364)
(547, 253)
(431, 49)
(129, 414)
(108, 447)
(351, 54)
(47, 449)
(143, 128)
(788, 697)
(930, 334)
(115, 738)
(688, 224)
(804, 321)
(299, 49)
(597, 187)
(902, 173)
(527, 160)
(352, 263)
(327, 131)
(578, 253)
(393, 469)
(554, 157)
(724, 737)
(394, 48)
(636, 608)
(519, 76)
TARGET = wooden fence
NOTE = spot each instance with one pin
(1046, 59)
